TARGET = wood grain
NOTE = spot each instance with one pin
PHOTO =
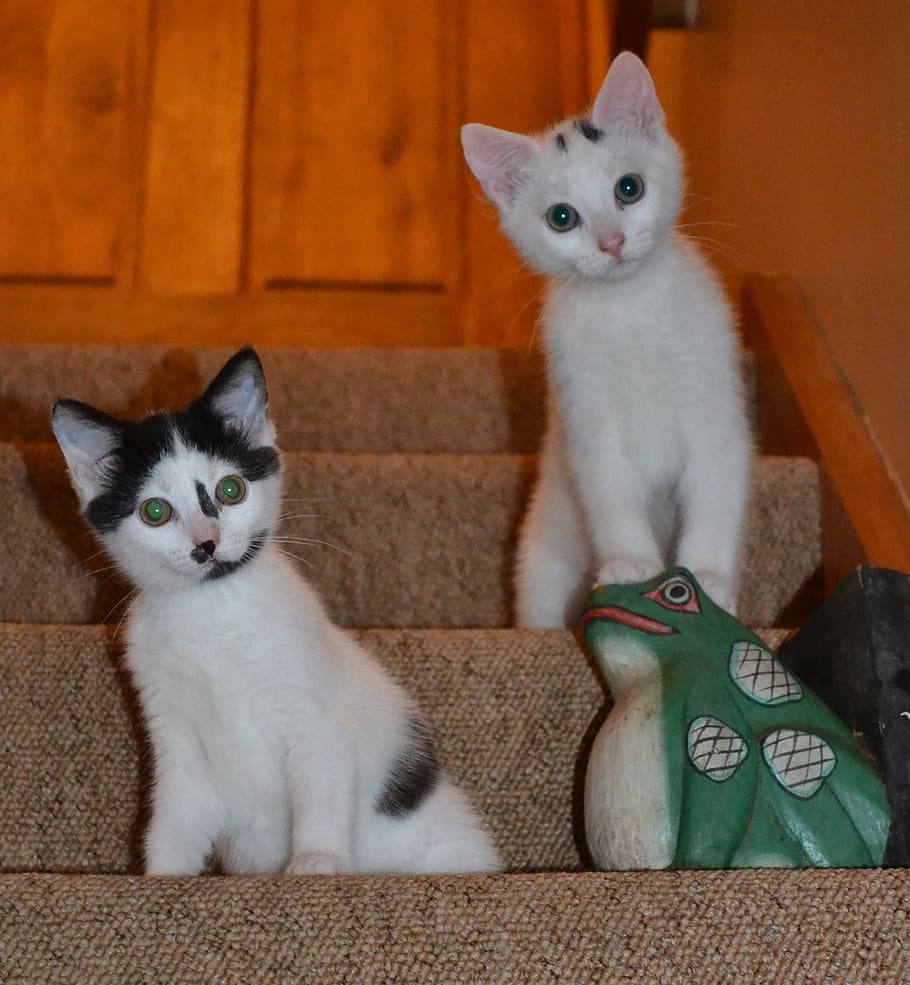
(808, 407)
(64, 69)
(192, 216)
(314, 318)
(232, 146)
(525, 68)
(351, 164)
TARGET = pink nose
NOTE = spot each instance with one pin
(612, 244)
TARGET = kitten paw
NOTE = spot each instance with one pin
(628, 571)
(312, 864)
(718, 589)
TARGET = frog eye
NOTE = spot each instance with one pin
(675, 593)
(155, 512)
(562, 217)
(230, 490)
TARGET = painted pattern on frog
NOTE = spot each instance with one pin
(714, 755)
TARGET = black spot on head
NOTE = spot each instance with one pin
(143, 444)
(413, 775)
(561, 143)
(590, 132)
(902, 680)
(127, 467)
(205, 501)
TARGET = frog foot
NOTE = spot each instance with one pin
(718, 589)
(628, 571)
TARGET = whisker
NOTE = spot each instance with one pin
(301, 516)
(309, 541)
(96, 571)
(723, 249)
(296, 557)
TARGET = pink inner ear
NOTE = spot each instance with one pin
(497, 158)
(627, 97)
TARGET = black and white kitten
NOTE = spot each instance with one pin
(278, 741)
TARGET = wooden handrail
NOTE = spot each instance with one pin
(807, 406)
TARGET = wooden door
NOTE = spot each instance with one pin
(284, 171)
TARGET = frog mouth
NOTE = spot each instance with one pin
(613, 613)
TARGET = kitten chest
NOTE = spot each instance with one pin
(208, 696)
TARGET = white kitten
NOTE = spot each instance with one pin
(646, 458)
(278, 742)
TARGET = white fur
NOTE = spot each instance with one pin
(273, 732)
(645, 461)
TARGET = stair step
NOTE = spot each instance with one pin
(430, 538)
(75, 766)
(584, 928)
(431, 400)
(399, 399)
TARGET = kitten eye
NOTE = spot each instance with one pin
(675, 593)
(155, 512)
(230, 490)
(561, 217)
(629, 189)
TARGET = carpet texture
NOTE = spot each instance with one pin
(418, 464)
(419, 540)
(672, 928)
(382, 400)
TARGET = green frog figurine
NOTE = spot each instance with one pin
(714, 755)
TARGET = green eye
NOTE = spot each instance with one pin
(230, 490)
(629, 189)
(561, 217)
(155, 512)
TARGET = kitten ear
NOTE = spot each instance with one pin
(86, 437)
(627, 97)
(238, 396)
(498, 159)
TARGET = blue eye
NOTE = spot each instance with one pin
(629, 189)
(561, 217)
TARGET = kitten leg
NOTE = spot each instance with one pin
(180, 832)
(614, 499)
(322, 788)
(553, 563)
(713, 494)
(624, 538)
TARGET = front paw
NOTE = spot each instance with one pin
(313, 864)
(628, 571)
(718, 589)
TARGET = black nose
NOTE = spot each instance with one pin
(203, 552)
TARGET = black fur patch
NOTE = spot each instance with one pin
(414, 774)
(590, 132)
(205, 501)
(561, 143)
(218, 569)
(142, 445)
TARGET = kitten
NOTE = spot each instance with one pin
(278, 741)
(645, 461)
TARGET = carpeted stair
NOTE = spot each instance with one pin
(416, 464)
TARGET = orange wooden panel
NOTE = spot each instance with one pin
(39, 313)
(831, 420)
(64, 70)
(352, 144)
(526, 66)
(191, 231)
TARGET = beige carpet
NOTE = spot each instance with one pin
(418, 462)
